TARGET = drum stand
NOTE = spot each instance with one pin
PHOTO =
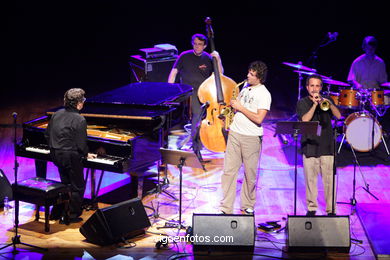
(353, 200)
(373, 132)
(300, 78)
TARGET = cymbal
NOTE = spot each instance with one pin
(311, 73)
(335, 82)
(298, 66)
(386, 84)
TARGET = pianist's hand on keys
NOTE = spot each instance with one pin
(92, 156)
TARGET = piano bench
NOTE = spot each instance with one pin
(41, 192)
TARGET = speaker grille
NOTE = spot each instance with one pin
(318, 233)
(223, 230)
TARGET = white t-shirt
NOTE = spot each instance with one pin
(252, 98)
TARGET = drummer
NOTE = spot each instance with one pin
(368, 71)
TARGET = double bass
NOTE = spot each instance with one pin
(217, 90)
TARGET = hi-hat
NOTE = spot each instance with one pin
(298, 66)
(335, 82)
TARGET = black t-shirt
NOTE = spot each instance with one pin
(313, 145)
(67, 130)
(193, 69)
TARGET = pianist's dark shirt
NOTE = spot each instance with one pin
(67, 130)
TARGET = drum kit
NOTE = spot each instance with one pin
(360, 128)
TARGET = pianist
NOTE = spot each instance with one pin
(67, 138)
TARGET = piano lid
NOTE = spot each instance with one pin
(142, 101)
(118, 111)
(144, 93)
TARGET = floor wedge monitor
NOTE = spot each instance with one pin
(122, 220)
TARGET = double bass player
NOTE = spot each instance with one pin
(192, 68)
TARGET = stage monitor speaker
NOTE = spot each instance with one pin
(5, 188)
(119, 221)
(318, 233)
(155, 70)
(223, 231)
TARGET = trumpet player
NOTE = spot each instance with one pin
(318, 151)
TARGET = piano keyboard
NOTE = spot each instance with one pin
(107, 159)
(104, 160)
(37, 150)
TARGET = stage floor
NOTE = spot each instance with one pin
(201, 194)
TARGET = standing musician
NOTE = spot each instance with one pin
(318, 151)
(193, 67)
(67, 139)
(368, 71)
(245, 140)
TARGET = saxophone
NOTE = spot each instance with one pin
(227, 113)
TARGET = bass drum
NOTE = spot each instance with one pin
(358, 131)
(387, 98)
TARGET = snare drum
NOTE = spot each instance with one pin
(348, 99)
(358, 131)
(377, 97)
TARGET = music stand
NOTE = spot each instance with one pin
(180, 159)
(296, 128)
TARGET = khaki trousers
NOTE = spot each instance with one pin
(314, 166)
(240, 149)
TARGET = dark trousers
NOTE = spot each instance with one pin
(195, 125)
(70, 167)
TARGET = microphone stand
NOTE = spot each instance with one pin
(334, 171)
(314, 55)
(16, 238)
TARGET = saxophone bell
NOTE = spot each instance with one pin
(227, 112)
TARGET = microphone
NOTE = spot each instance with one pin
(333, 35)
(14, 115)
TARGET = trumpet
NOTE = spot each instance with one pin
(324, 103)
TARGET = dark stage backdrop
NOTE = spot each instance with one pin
(52, 46)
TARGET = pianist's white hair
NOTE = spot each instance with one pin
(74, 96)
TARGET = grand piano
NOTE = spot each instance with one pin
(126, 127)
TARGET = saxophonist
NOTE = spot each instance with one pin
(245, 140)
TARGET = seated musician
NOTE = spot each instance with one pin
(368, 71)
(67, 138)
